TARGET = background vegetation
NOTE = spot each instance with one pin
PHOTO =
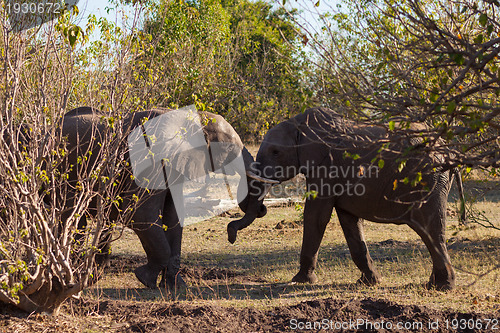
(254, 62)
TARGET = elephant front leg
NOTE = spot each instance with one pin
(317, 214)
(171, 276)
(352, 226)
(157, 250)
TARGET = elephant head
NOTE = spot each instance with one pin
(282, 154)
(278, 149)
(218, 130)
(182, 146)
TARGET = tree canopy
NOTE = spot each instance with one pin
(418, 61)
(240, 58)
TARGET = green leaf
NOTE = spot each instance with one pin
(478, 39)
(317, 4)
(489, 30)
(392, 125)
(73, 33)
(401, 166)
(284, 2)
(311, 195)
(451, 107)
(419, 177)
(483, 19)
(458, 59)
(434, 97)
(381, 164)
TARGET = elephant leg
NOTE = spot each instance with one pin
(102, 258)
(171, 276)
(352, 226)
(157, 250)
(152, 236)
(317, 214)
(443, 275)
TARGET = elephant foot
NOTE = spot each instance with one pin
(172, 282)
(231, 234)
(369, 280)
(444, 283)
(439, 286)
(305, 278)
(147, 276)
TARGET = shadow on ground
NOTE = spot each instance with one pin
(234, 278)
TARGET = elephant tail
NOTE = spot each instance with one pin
(458, 177)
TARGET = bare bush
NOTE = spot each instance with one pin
(55, 199)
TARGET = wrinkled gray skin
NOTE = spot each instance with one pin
(319, 137)
(163, 248)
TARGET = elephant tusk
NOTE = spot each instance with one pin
(267, 188)
(262, 179)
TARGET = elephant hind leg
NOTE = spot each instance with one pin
(171, 276)
(443, 275)
(352, 226)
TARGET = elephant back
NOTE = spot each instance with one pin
(83, 110)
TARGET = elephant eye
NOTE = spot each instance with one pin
(275, 152)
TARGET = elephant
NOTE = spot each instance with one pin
(155, 219)
(337, 154)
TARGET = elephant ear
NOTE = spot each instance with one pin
(181, 143)
(193, 163)
(172, 144)
(248, 160)
(227, 157)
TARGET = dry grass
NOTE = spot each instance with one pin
(257, 269)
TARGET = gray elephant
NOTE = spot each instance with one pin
(340, 161)
(156, 210)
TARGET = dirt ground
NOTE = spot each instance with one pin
(367, 314)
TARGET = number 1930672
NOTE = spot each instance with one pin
(472, 324)
(41, 8)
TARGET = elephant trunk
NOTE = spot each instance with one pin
(255, 209)
(252, 203)
(233, 227)
(252, 206)
(247, 205)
